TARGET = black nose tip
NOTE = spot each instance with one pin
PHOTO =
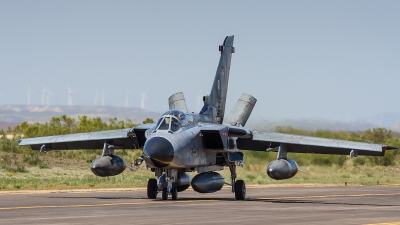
(159, 150)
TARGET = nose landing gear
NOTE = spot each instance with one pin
(173, 192)
(168, 184)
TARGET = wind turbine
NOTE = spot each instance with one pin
(43, 94)
(127, 99)
(96, 97)
(103, 96)
(143, 100)
(29, 95)
(70, 92)
(48, 93)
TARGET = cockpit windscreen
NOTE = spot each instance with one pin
(172, 120)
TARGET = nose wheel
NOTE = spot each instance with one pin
(164, 193)
(173, 193)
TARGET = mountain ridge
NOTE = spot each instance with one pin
(11, 115)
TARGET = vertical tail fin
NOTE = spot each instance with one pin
(214, 104)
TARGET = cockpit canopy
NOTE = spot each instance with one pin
(172, 120)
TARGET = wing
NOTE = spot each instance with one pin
(124, 139)
(267, 141)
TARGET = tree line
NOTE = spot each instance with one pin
(67, 125)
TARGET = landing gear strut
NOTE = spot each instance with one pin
(238, 186)
(173, 192)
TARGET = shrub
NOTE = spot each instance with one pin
(340, 160)
(19, 169)
(322, 160)
(32, 159)
(44, 166)
(359, 161)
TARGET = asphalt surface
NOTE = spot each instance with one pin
(277, 205)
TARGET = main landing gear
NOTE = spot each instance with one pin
(152, 189)
(238, 186)
(240, 190)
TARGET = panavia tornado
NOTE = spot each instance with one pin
(182, 142)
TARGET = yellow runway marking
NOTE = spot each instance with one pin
(392, 223)
(103, 204)
(329, 196)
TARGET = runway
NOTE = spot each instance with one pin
(276, 205)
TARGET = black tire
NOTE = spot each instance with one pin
(164, 193)
(174, 194)
(152, 188)
(240, 190)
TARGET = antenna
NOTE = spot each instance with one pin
(29, 95)
(70, 92)
(127, 99)
(143, 100)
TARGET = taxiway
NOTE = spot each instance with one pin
(266, 205)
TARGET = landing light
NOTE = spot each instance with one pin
(138, 161)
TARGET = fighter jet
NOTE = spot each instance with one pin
(182, 142)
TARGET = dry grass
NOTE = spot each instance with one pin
(73, 176)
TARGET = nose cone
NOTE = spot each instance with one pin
(159, 150)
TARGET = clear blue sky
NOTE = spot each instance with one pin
(335, 60)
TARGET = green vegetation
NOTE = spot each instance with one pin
(68, 125)
(23, 168)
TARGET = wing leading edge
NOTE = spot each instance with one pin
(121, 139)
(91, 140)
(267, 141)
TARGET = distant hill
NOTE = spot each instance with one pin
(311, 124)
(389, 121)
(11, 115)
